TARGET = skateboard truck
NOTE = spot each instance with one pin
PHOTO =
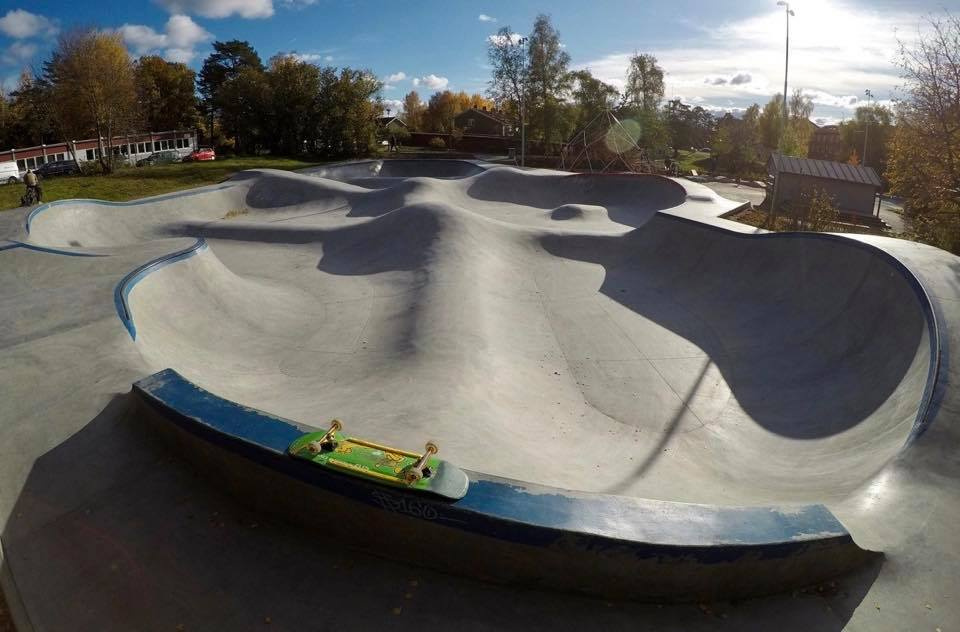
(329, 439)
(419, 469)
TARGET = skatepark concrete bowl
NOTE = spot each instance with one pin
(635, 386)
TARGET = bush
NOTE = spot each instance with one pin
(437, 143)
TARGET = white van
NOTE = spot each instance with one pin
(9, 173)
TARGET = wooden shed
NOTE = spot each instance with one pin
(854, 188)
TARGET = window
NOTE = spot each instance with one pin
(186, 143)
(89, 154)
(141, 148)
(21, 165)
(156, 145)
(31, 163)
(179, 143)
(61, 157)
(123, 149)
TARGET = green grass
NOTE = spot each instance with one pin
(690, 160)
(136, 182)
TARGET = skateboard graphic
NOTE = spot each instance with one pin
(381, 464)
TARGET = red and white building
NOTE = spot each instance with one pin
(132, 146)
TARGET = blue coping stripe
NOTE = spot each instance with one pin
(508, 509)
(54, 251)
(160, 198)
(122, 291)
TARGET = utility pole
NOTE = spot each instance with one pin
(786, 68)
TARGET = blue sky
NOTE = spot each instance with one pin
(722, 55)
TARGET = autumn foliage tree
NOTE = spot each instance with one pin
(414, 110)
(92, 88)
(165, 92)
(924, 162)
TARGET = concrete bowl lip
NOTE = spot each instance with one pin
(701, 209)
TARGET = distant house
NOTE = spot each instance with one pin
(854, 188)
(390, 123)
(825, 143)
(484, 122)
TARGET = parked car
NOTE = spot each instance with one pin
(160, 158)
(9, 173)
(203, 153)
(58, 168)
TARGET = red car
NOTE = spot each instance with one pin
(204, 153)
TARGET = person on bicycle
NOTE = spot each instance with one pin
(33, 186)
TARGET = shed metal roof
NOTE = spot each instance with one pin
(828, 169)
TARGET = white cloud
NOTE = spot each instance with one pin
(394, 105)
(178, 41)
(496, 38)
(20, 24)
(220, 8)
(311, 58)
(18, 53)
(483, 17)
(432, 81)
(835, 50)
(395, 77)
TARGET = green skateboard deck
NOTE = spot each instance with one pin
(381, 464)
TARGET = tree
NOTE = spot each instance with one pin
(165, 91)
(92, 88)
(294, 86)
(348, 106)
(796, 138)
(688, 127)
(736, 142)
(548, 80)
(771, 123)
(441, 110)
(223, 64)
(245, 101)
(508, 69)
(644, 87)
(591, 96)
(414, 111)
(924, 162)
(28, 119)
(875, 123)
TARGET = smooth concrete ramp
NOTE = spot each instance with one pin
(595, 336)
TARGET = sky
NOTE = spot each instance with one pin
(722, 55)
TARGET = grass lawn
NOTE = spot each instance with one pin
(137, 182)
(690, 160)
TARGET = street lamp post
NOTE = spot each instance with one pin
(522, 42)
(866, 128)
(786, 66)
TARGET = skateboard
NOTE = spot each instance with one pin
(381, 464)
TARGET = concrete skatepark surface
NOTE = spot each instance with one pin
(601, 334)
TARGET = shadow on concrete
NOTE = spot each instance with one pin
(812, 336)
(111, 531)
(630, 199)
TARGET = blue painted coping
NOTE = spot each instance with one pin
(122, 291)
(53, 251)
(507, 509)
(160, 198)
